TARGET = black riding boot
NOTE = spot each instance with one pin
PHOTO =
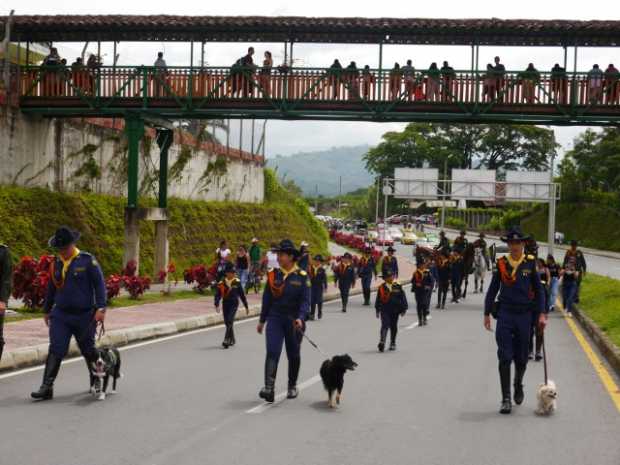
(320, 310)
(344, 303)
(271, 369)
(392, 339)
(366, 296)
(420, 318)
(233, 341)
(52, 366)
(293, 374)
(504, 379)
(226, 342)
(519, 395)
(382, 337)
(312, 311)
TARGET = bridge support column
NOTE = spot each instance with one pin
(164, 141)
(134, 126)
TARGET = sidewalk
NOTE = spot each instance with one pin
(27, 341)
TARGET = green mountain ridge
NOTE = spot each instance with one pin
(323, 169)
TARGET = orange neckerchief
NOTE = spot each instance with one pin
(384, 293)
(342, 267)
(418, 276)
(313, 271)
(363, 261)
(271, 280)
(507, 278)
(224, 289)
(442, 262)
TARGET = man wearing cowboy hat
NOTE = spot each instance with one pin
(574, 258)
(391, 302)
(444, 243)
(286, 301)
(5, 288)
(255, 255)
(367, 269)
(389, 262)
(481, 243)
(344, 276)
(74, 305)
(520, 296)
(460, 243)
(318, 281)
(304, 256)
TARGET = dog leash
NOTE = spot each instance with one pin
(101, 330)
(313, 344)
(544, 357)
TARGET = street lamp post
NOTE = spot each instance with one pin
(443, 196)
(552, 195)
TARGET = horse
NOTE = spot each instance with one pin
(468, 266)
(480, 269)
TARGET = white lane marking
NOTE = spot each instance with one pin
(282, 396)
(132, 346)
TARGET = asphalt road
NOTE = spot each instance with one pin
(605, 266)
(184, 400)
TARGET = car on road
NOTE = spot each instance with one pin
(396, 233)
(384, 238)
(409, 238)
(394, 219)
(429, 241)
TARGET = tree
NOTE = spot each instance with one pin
(500, 147)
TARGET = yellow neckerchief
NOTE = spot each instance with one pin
(229, 282)
(285, 274)
(515, 263)
(66, 263)
(389, 286)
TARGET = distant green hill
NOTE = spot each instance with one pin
(324, 168)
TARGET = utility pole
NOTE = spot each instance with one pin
(316, 199)
(339, 194)
(377, 203)
(552, 196)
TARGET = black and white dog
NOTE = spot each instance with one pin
(107, 364)
(332, 374)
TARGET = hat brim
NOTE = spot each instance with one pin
(514, 239)
(287, 250)
(56, 245)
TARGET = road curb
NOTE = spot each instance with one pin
(607, 348)
(36, 355)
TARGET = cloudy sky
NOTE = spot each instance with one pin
(289, 137)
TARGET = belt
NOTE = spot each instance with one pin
(75, 311)
(522, 308)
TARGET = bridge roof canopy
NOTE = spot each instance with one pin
(492, 31)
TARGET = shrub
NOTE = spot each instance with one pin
(456, 223)
(30, 280)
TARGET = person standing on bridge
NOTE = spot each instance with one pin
(344, 277)
(390, 262)
(74, 304)
(500, 77)
(161, 70)
(228, 292)
(286, 302)
(5, 288)
(390, 304)
(521, 295)
(366, 271)
(396, 77)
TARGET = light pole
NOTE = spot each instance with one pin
(443, 196)
(552, 195)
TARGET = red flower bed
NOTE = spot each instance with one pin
(202, 276)
(113, 286)
(30, 280)
(136, 285)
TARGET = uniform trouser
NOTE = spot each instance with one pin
(442, 292)
(1, 335)
(535, 332)
(422, 301)
(569, 291)
(63, 325)
(281, 330)
(553, 292)
(366, 282)
(344, 295)
(389, 321)
(512, 335)
(316, 302)
(229, 321)
(456, 280)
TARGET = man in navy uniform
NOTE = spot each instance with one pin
(344, 276)
(457, 270)
(74, 304)
(229, 292)
(318, 280)
(481, 243)
(5, 288)
(390, 304)
(390, 263)
(367, 269)
(520, 296)
(574, 258)
(444, 272)
(422, 284)
(304, 256)
(286, 302)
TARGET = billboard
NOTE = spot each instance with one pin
(473, 184)
(415, 183)
(528, 186)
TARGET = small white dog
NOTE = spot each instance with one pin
(546, 395)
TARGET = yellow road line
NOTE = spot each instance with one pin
(599, 367)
